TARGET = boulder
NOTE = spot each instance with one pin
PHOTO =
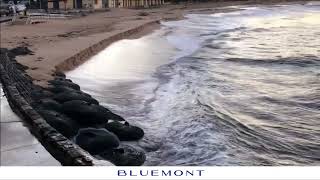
(88, 114)
(64, 83)
(59, 78)
(83, 113)
(124, 156)
(49, 104)
(125, 132)
(107, 113)
(65, 89)
(96, 141)
(73, 95)
(37, 94)
(59, 89)
(60, 122)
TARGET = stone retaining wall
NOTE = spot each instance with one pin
(17, 87)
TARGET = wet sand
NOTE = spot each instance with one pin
(55, 41)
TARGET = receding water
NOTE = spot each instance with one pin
(234, 88)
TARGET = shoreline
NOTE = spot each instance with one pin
(85, 54)
(40, 70)
(63, 45)
(18, 89)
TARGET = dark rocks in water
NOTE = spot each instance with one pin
(88, 114)
(60, 122)
(124, 156)
(65, 83)
(69, 80)
(73, 95)
(150, 143)
(48, 104)
(83, 112)
(106, 112)
(22, 50)
(59, 78)
(61, 89)
(125, 132)
(39, 93)
(96, 141)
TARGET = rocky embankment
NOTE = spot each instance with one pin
(79, 117)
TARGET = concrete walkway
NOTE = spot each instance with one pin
(18, 146)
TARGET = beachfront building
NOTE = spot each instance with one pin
(135, 3)
(56, 4)
(100, 4)
(70, 4)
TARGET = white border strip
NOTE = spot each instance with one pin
(160, 172)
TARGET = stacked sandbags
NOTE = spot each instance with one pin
(78, 116)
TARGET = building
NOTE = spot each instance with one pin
(56, 4)
(135, 3)
(70, 4)
(100, 4)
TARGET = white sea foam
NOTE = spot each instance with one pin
(234, 88)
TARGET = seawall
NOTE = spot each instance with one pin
(17, 87)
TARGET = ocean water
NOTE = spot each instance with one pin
(234, 88)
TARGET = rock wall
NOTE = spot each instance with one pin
(17, 87)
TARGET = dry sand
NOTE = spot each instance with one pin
(56, 41)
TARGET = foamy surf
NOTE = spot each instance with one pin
(234, 88)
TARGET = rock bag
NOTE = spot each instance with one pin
(125, 132)
(96, 141)
(69, 96)
(48, 104)
(88, 114)
(39, 93)
(61, 123)
(124, 156)
(108, 113)
(59, 89)
(59, 78)
(72, 85)
(65, 89)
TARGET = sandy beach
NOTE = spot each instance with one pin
(225, 85)
(55, 41)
